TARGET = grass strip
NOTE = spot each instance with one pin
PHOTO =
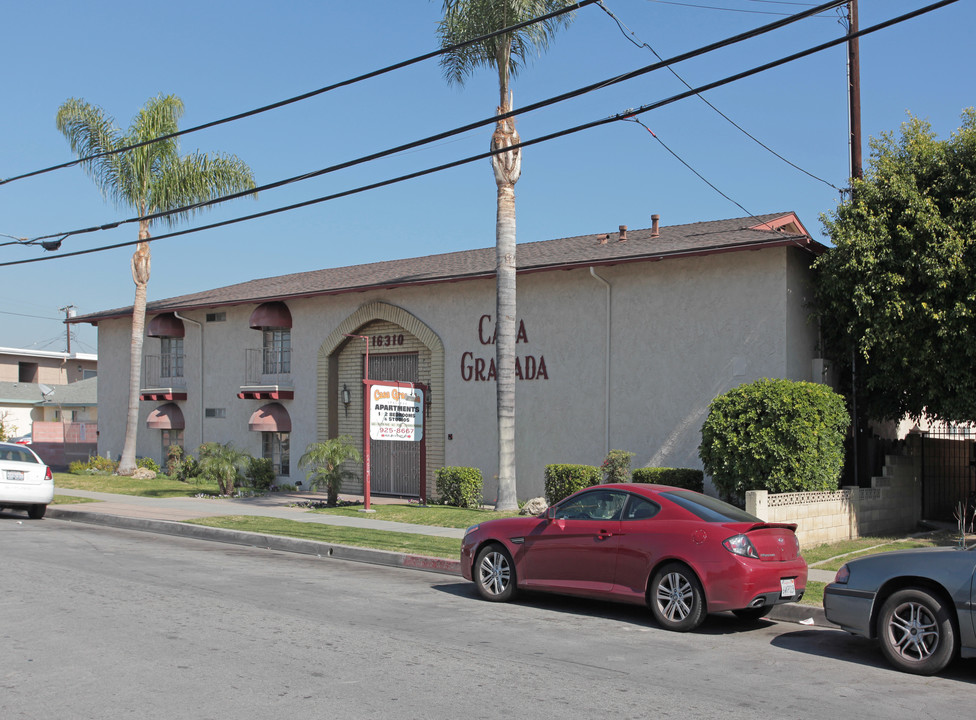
(158, 487)
(71, 500)
(410, 543)
(436, 515)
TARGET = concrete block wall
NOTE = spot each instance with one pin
(891, 506)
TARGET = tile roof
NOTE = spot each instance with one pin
(583, 250)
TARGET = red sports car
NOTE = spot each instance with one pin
(683, 553)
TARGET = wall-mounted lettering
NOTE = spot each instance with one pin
(481, 369)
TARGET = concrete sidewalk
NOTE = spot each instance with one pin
(167, 516)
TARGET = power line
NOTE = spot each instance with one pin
(726, 9)
(640, 43)
(38, 317)
(57, 238)
(307, 95)
(700, 176)
(625, 115)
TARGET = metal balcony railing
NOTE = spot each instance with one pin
(267, 366)
(163, 371)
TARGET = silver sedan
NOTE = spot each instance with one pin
(919, 604)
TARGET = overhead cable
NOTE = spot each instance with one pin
(307, 95)
(640, 43)
(749, 34)
(625, 115)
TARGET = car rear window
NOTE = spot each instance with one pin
(17, 454)
(708, 508)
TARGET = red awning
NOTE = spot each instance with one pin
(166, 325)
(270, 418)
(270, 315)
(166, 417)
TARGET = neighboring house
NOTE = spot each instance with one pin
(41, 366)
(59, 421)
(623, 340)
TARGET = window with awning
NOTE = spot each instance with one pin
(166, 417)
(272, 417)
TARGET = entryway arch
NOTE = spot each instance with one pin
(391, 331)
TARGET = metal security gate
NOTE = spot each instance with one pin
(948, 471)
(394, 467)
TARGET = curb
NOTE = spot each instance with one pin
(790, 612)
(266, 542)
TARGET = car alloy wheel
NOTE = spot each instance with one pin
(676, 598)
(495, 574)
(916, 632)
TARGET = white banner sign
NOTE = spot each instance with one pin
(396, 413)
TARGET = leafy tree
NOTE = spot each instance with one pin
(323, 462)
(506, 54)
(7, 429)
(222, 464)
(775, 435)
(149, 179)
(897, 292)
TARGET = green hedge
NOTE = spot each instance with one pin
(460, 486)
(564, 480)
(775, 435)
(686, 478)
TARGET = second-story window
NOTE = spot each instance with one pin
(277, 350)
(171, 357)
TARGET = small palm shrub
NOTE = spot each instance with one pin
(222, 464)
(323, 465)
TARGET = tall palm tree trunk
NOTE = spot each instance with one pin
(507, 167)
(140, 276)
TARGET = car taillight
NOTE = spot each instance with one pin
(741, 545)
(843, 575)
(48, 475)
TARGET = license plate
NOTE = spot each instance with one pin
(14, 474)
(787, 588)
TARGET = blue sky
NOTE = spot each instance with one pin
(225, 57)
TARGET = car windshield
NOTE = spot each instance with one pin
(17, 454)
(708, 508)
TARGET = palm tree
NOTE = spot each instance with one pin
(149, 179)
(324, 464)
(464, 20)
(222, 464)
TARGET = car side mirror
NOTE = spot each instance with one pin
(550, 513)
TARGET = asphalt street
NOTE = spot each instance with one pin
(100, 622)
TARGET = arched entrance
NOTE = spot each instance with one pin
(402, 348)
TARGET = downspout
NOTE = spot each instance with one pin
(606, 365)
(199, 325)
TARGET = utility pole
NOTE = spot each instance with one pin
(857, 173)
(69, 312)
(854, 87)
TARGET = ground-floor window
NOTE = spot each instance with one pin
(274, 446)
(170, 438)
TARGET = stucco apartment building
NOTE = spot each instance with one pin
(623, 340)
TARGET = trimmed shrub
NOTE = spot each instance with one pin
(775, 435)
(686, 478)
(564, 480)
(148, 464)
(460, 486)
(616, 466)
(260, 473)
(95, 465)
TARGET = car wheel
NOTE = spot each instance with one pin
(494, 574)
(916, 632)
(36, 512)
(676, 598)
(752, 614)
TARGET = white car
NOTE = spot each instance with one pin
(26, 483)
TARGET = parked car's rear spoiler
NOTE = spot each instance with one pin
(763, 525)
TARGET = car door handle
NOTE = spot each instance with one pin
(603, 535)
